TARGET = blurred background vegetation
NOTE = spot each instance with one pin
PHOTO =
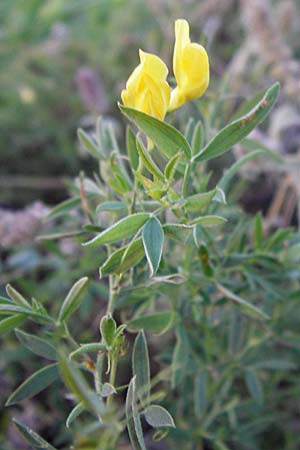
(63, 63)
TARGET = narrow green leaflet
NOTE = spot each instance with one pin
(84, 348)
(180, 359)
(77, 384)
(254, 386)
(88, 143)
(122, 229)
(156, 323)
(34, 439)
(131, 148)
(180, 232)
(141, 368)
(157, 416)
(148, 161)
(164, 136)
(116, 264)
(209, 221)
(258, 234)
(189, 129)
(198, 201)
(73, 299)
(34, 384)
(240, 128)
(274, 364)
(9, 309)
(16, 296)
(76, 411)
(197, 140)
(200, 394)
(6, 301)
(171, 166)
(10, 323)
(37, 345)
(111, 206)
(227, 177)
(153, 241)
(252, 310)
(64, 207)
(133, 419)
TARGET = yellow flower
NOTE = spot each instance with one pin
(190, 66)
(147, 89)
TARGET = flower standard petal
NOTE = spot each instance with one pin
(147, 89)
(190, 65)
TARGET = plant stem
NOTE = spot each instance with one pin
(112, 376)
(186, 179)
(110, 306)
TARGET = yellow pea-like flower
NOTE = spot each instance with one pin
(190, 66)
(147, 89)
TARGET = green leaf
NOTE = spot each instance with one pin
(171, 166)
(141, 368)
(16, 296)
(34, 384)
(12, 309)
(37, 345)
(131, 149)
(88, 143)
(240, 128)
(89, 186)
(111, 206)
(85, 348)
(198, 201)
(254, 386)
(157, 416)
(77, 384)
(122, 229)
(258, 231)
(148, 161)
(209, 221)
(180, 356)
(10, 323)
(168, 140)
(76, 411)
(200, 394)
(189, 129)
(34, 439)
(108, 329)
(133, 419)
(5, 301)
(233, 170)
(274, 364)
(180, 232)
(173, 278)
(205, 260)
(250, 309)
(73, 299)
(153, 241)
(118, 262)
(64, 207)
(197, 140)
(156, 323)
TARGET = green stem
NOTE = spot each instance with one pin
(112, 376)
(110, 306)
(186, 179)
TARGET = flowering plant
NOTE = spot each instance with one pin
(147, 89)
(171, 265)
